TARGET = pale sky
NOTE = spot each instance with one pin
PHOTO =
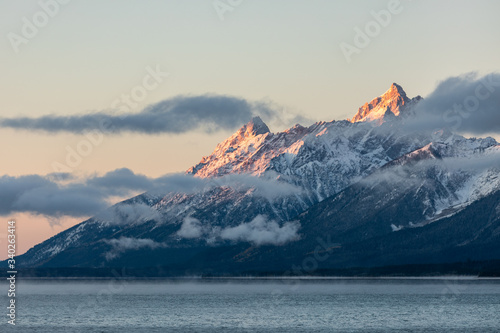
(286, 51)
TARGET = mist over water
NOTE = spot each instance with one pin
(241, 305)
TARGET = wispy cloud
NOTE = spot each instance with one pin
(456, 170)
(124, 244)
(266, 186)
(191, 228)
(259, 231)
(176, 115)
(129, 214)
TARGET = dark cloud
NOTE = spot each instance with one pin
(176, 115)
(42, 195)
(119, 180)
(57, 196)
(75, 200)
(465, 104)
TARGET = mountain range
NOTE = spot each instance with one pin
(363, 192)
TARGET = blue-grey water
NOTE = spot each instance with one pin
(239, 305)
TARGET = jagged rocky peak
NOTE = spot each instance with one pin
(251, 129)
(391, 103)
(255, 127)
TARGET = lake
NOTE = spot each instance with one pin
(256, 305)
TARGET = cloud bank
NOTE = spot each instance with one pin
(176, 115)
(57, 195)
(466, 104)
(42, 195)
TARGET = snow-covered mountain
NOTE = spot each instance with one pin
(322, 158)
(264, 189)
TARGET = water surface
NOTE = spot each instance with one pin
(242, 305)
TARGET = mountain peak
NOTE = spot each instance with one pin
(390, 103)
(396, 88)
(256, 126)
(251, 129)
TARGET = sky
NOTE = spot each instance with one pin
(287, 60)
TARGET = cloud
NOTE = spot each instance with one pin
(465, 104)
(124, 244)
(191, 228)
(411, 175)
(129, 214)
(176, 115)
(259, 231)
(120, 180)
(41, 195)
(474, 163)
(57, 195)
(180, 183)
(267, 186)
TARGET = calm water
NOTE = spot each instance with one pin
(379, 305)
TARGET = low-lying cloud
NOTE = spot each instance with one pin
(175, 115)
(458, 170)
(42, 195)
(465, 104)
(124, 244)
(267, 186)
(472, 164)
(129, 214)
(58, 195)
(259, 231)
(191, 228)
